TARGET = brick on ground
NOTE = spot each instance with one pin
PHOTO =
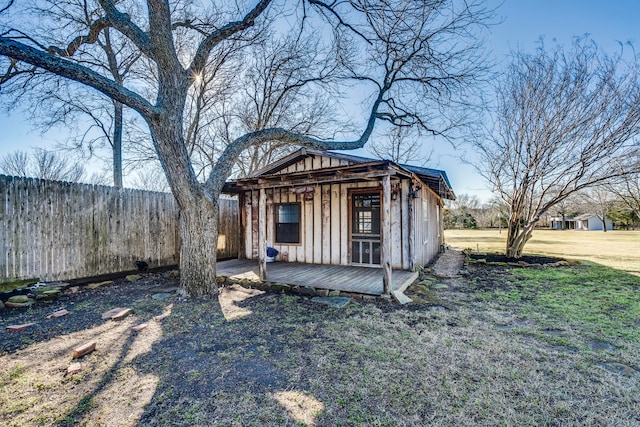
(16, 328)
(161, 316)
(122, 314)
(84, 349)
(100, 284)
(58, 313)
(74, 368)
(139, 327)
(109, 314)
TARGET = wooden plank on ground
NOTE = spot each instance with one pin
(401, 297)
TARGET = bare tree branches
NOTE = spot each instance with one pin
(41, 164)
(402, 146)
(565, 119)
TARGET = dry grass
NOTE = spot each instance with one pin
(616, 249)
(270, 359)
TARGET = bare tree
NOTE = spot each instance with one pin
(401, 145)
(566, 207)
(627, 189)
(564, 120)
(414, 59)
(462, 211)
(42, 164)
(600, 201)
(96, 120)
(150, 178)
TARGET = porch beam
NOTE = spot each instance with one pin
(386, 235)
(333, 178)
(307, 178)
(262, 231)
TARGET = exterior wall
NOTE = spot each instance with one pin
(594, 224)
(325, 223)
(428, 227)
(313, 163)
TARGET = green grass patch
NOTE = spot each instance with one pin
(592, 298)
(17, 284)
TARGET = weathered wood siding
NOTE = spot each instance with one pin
(59, 231)
(313, 163)
(229, 235)
(325, 224)
(428, 227)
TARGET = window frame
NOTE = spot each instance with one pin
(276, 222)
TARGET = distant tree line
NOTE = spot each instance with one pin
(467, 212)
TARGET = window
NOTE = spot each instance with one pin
(288, 223)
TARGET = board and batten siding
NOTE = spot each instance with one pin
(59, 231)
(325, 224)
(428, 226)
(313, 163)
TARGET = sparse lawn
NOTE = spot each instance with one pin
(526, 347)
(616, 249)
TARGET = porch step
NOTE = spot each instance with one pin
(401, 297)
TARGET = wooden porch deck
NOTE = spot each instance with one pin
(362, 280)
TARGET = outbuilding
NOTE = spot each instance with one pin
(319, 207)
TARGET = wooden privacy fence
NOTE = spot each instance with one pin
(229, 232)
(59, 231)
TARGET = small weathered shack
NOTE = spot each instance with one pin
(322, 207)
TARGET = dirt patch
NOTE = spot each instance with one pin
(254, 357)
(528, 259)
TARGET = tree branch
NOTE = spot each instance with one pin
(122, 22)
(227, 159)
(205, 47)
(92, 37)
(7, 6)
(78, 73)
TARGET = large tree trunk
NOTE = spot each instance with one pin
(198, 247)
(198, 207)
(517, 238)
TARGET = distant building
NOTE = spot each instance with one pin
(585, 222)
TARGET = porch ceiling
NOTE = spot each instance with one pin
(362, 280)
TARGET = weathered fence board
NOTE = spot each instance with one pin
(60, 231)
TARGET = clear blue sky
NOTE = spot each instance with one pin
(523, 22)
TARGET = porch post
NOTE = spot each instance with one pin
(262, 231)
(386, 234)
(410, 202)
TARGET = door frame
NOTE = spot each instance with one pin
(350, 193)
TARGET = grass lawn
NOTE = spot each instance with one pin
(616, 249)
(500, 346)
